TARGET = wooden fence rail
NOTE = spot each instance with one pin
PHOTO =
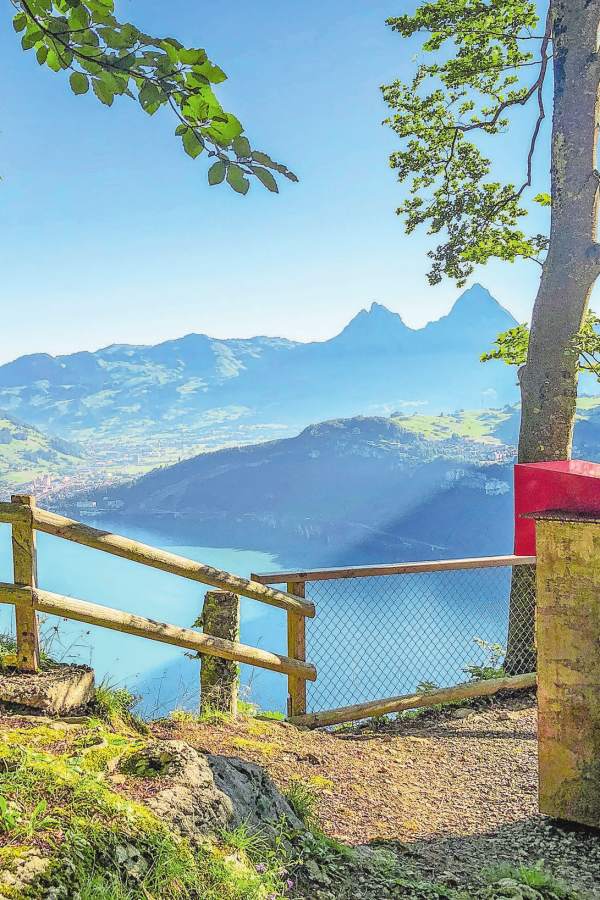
(410, 568)
(26, 518)
(93, 614)
(456, 692)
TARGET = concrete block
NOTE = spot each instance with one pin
(55, 692)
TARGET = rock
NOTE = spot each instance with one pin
(130, 860)
(192, 806)
(448, 878)
(462, 713)
(508, 887)
(24, 871)
(57, 691)
(314, 873)
(208, 793)
(255, 798)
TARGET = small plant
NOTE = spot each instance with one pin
(8, 817)
(377, 722)
(242, 838)
(10, 820)
(246, 708)
(533, 876)
(37, 822)
(494, 654)
(115, 705)
(303, 801)
(210, 715)
(424, 686)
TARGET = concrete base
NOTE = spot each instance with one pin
(56, 692)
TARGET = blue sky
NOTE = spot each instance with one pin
(109, 233)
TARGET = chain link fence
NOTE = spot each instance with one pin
(380, 636)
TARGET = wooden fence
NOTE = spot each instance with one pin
(26, 518)
(296, 585)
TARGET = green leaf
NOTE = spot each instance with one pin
(192, 57)
(20, 21)
(79, 83)
(53, 61)
(31, 37)
(267, 179)
(103, 92)
(237, 179)
(112, 38)
(216, 173)
(181, 129)
(213, 73)
(263, 159)
(79, 17)
(149, 97)
(42, 54)
(225, 132)
(241, 146)
(543, 199)
(191, 144)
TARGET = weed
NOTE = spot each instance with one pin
(494, 654)
(242, 838)
(303, 801)
(8, 816)
(115, 705)
(534, 876)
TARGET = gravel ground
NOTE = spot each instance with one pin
(570, 852)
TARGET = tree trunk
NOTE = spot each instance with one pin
(549, 378)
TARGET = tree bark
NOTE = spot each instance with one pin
(549, 378)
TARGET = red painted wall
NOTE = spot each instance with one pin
(569, 485)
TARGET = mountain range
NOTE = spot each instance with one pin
(340, 490)
(243, 390)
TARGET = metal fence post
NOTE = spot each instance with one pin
(296, 628)
(25, 573)
(219, 678)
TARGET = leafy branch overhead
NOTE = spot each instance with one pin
(471, 88)
(114, 59)
(511, 346)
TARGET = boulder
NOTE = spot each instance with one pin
(254, 797)
(209, 793)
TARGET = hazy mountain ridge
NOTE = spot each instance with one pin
(376, 364)
(26, 453)
(344, 483)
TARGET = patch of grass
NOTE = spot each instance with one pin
(266, 748)
(534, 876)
(243, 839)
(115, 705)
(113, 847)
(303, 800)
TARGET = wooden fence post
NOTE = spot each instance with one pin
(219, 678)
(296, 628)
(25, 573)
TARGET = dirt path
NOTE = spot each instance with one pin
(460, 776)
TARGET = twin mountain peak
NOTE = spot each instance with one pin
(201, 385)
